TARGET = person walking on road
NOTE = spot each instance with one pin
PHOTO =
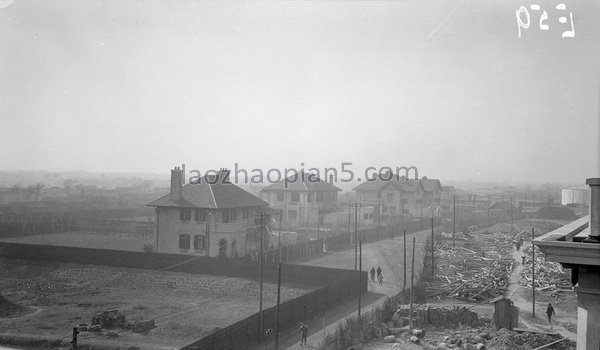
(550, 312)
(380, 277)
(378, 271)
(372, 274)
(303, 333)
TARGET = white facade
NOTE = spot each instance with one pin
(579, 196)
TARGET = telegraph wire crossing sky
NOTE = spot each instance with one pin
(447, 86)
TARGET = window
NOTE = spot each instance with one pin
(280, 196)
(390, 197)
(185, 214)
(184, 241)
(246, 213)
(199, 242)
(229, 215)
(225, 215)
(366, 216)
(295, 197)
(404, 201)
(200, 214)
(309, 197)
(385, 209)
(292, 215)
(392, 210)
(319, 196)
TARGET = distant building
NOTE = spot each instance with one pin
(577, 196)
(399, 197)
(210, 218)
(302, 201)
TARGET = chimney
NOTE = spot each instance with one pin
(183, 174)
(176, 185)
(594, 236)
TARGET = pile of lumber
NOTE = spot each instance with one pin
(548, 275)
(474, 271)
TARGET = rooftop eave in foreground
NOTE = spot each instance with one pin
(563, 245)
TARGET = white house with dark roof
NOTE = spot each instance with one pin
(302, 200)
(208, 218)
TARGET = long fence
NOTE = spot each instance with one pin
(333, 285)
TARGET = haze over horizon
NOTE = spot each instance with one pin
(446, 86)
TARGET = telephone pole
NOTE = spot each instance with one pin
(277, 307)
(404, 279)
(454, 225)
(259, 218)
(359, 279)
(532, 273)
(355, 235)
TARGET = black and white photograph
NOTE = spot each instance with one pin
(300, 175)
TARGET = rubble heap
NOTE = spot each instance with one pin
(548, 275)
(508, 340)
(478, 269)
(435, 316)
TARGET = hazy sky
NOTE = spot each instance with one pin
(447, 86)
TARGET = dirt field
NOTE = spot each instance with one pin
(185, 307)
(102, 240)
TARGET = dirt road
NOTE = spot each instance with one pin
(565, 317)
(388, 254)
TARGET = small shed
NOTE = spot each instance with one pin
(506, 315)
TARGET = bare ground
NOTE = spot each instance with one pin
(186, 307)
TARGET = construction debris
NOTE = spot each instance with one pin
(109, 319)
(438, 317)
(548, 275)
(476, 267)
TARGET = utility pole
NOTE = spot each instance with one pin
(454, 225)
(432, 250)
(279, 238)
(533, 272)
(404, 280)
(208, 217)
(511, 219)
(412, 282)
(359, 279)
(350, 221)
(277, 307)
(259, 218)
(355, 235)
(379, 220)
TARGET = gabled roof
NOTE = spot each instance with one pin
(400, 184)
(305, 182)
(211, 196)
(430, 185)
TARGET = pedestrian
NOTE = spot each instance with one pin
(380, 277)
(523, 259)
(303, 333)
(550, 312)
(372, 274)
(378, 271)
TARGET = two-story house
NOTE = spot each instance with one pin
(211, 218)
(302, 200)
(399, 197)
